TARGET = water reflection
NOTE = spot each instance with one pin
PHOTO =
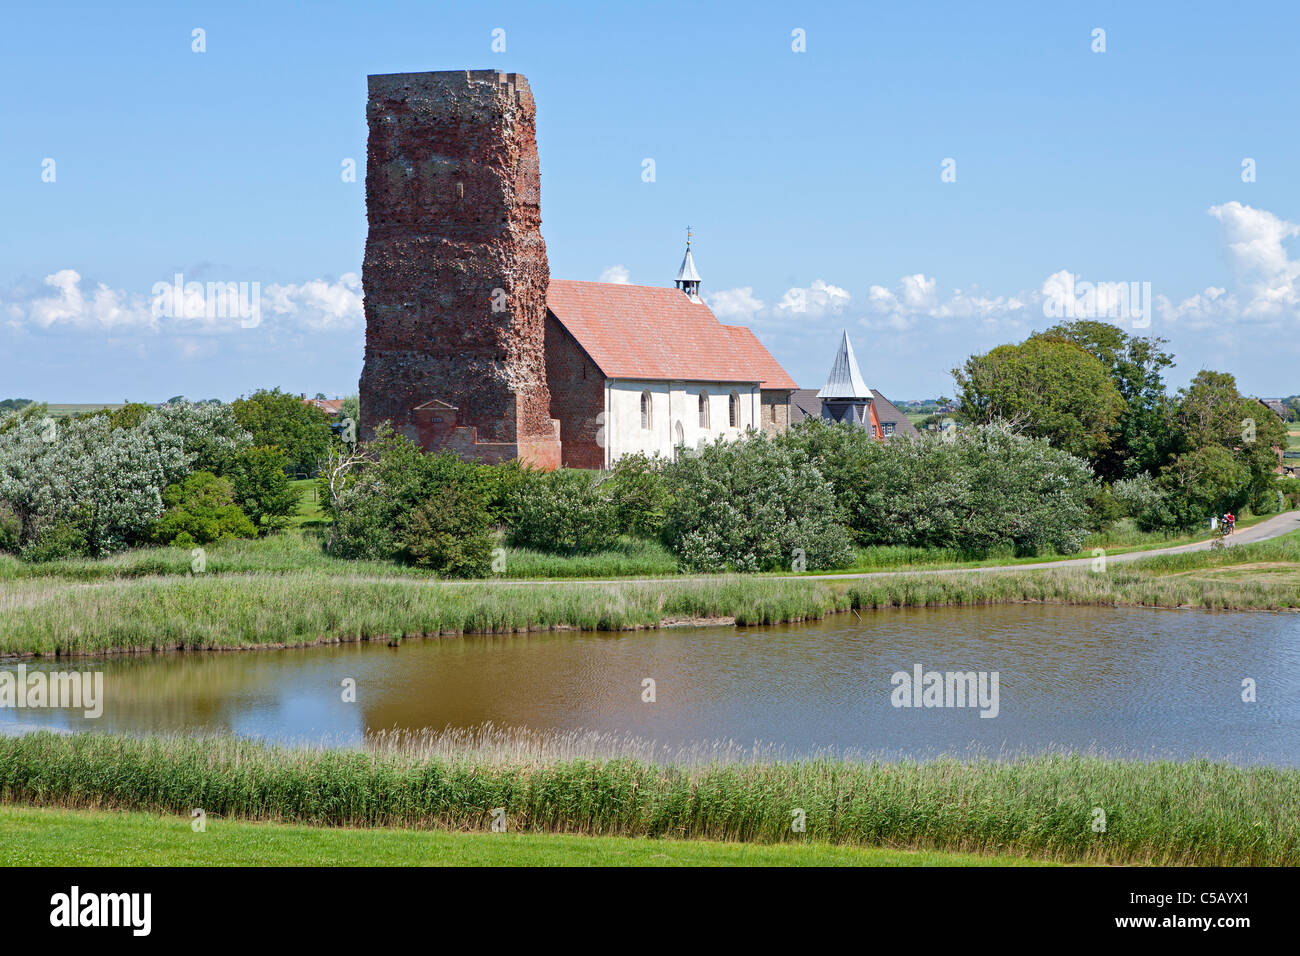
(1122, 681)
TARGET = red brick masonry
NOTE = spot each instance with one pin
(455, 272)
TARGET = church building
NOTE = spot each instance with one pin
(651, 369)
(473, 348)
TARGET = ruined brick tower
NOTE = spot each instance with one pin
(455, 271)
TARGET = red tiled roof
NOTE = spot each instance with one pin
(330, 406)
(758, 357)
(652, 332)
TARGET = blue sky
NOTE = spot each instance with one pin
(812, 179)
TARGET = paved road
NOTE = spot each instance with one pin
(1270, 528)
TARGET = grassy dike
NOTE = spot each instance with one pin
(47, 616)
(1196, 813)
(40, 836)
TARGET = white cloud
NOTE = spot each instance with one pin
(1266, 287)
(1267, 275)
(815, 301)
(916, 298)
(64, 300)
(318, 305)
(732, 304)
(616, 274)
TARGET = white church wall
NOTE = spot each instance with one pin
(672, 403)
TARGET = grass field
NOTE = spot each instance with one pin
(52, 837)
(309, 511)
(1043, 807)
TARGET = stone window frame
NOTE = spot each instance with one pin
(647, 410)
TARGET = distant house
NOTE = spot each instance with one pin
(847, 397)
(1275, 405)
(330, 406)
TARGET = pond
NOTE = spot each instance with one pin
(1124, 682)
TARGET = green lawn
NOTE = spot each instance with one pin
(48, 837)
(308, 507)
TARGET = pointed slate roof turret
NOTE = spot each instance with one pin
(688, 280)
(845, 380)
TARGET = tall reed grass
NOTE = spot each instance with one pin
(1160, 812)
(268, 609)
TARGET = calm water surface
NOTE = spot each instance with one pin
(1127, 682)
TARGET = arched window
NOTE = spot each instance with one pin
(733, 409)
(645, 410)
(704, 410)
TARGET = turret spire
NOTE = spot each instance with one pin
(688, 280)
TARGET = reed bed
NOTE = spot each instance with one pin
(1197, 813)
(51, 617)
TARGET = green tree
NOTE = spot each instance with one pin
(1049, 388)
(1204, 482)
(261, 488)
(129, 415)
(389, 478)
(1139, 439)
(351, 408)
(276, 418)
(979, 489)
(1211, 413)
(640, 494)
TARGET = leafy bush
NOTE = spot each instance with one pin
(11, 530)
(1023, 491)
(1103, 508)
(640, 494)
(1290, 488)
(372, 503)
(104, 483)
(54, 542)
(451, 533)
(565, 512)
(753, 505)
(201, 509)
(208, 432)
(1138, 497)
(502, 486)
(974, 491)
(261, 488)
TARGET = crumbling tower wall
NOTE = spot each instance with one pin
(455, 269)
